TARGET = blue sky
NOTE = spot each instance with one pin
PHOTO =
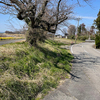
(86, 12)
(10, 23)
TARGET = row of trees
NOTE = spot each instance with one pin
(80, 31)
(16, 32)
(85, 31)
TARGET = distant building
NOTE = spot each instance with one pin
(66, 34)
(58, 36)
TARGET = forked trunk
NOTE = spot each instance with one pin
(31, 36)
(34, 35)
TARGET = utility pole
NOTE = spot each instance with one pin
(78, 19)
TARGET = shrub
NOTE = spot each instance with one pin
(97, 40)
(71, 36)
(82, 38)
(92, 37)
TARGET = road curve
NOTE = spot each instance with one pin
(85, 76)
(85, 48)
(10, 41)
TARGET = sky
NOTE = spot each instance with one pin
(87, 13)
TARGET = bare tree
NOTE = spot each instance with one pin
(64, 31)
(39, 15)
(71, 30)
(92, 30)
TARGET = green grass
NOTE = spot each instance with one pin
(68, 41)
(28, 73)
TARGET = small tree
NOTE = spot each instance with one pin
(92, 30)
(71, 30)
(79, 31)
(83, 29)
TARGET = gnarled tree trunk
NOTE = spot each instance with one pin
(31, 36)
(34, 35)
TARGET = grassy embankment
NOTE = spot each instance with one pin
(29, 73)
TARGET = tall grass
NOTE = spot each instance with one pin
(28, 73)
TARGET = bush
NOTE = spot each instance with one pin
(97, 40)
(92, 37)
(82, 38)
(71, 36)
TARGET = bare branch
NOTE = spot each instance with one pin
(9, 5)
(57, 12)
(43, 8)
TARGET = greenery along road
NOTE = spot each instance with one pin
(29, 73)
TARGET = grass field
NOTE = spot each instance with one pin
(15, 35)
(67, 41)
(29, 73)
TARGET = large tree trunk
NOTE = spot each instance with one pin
(31, 36)
(34, 35)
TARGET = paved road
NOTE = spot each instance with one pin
(85, 80)
(9, 41)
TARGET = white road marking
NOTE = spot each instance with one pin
(84, 49)
(72, 49)
(79, 45)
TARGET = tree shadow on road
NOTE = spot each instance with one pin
(81, 61)
(64, 58)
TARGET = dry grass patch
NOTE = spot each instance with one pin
(67, 41)
(7, 51)
(15, 35)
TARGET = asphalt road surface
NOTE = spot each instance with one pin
(85, 76)
(10, 41)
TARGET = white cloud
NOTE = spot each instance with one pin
(86, 17)
(72, 16)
